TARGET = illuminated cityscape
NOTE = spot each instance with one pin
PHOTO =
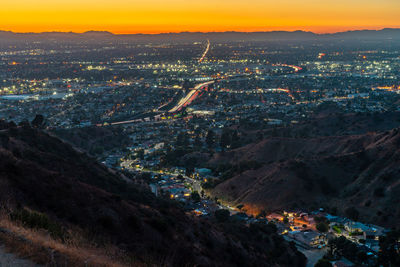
(200, 134)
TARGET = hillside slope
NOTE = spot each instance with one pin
(361, 171)
(43, 177)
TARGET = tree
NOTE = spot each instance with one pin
(96, 150)
(38, 121)
(342, 247)
(389, 254)
(189, 170)
(140, 153)
(225, 138)
(195, 196)
(362, 256)
(259, 136)
(197, 142)
(285, 220)
(262, 214)
(240, 206)
(379, 192)
(352, 213)
(182, 139)
(24, 123)
(323, 263)
(235, 139)
(322, 227)
(210, 138)
(222, 215)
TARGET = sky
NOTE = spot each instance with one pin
(155, 16)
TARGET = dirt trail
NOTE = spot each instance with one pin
(10, 260)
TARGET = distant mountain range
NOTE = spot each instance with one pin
(384, 34)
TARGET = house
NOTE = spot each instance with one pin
(304, 216)
(204, 171)
(275, 217)
(309, 238)
(372, 245)
(336, 220)
(342, 263)
(371, 235)
(241, 216)
(356, 227)
(179, 192)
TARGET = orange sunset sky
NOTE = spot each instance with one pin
(154, 16)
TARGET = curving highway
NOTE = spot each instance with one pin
(186, 100)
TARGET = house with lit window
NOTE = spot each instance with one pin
(309, 238)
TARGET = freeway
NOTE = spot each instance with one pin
(205, 51)
(295, 68)
(186, 100)
(193, 93)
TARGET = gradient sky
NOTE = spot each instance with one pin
(154, 16)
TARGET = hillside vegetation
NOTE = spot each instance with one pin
(59, 205)
(360, 172)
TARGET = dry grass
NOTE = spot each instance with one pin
(38, 246)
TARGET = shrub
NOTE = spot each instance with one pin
(36, 220)
(134, 222)
(285, 220)
(323, 263)
(356, 233)
(222, 215)
(159, 224)
(336, 229)
(352, 213)
(319, 219)
(107, 222)
(322, 227)
(379, 192)
(195, 196)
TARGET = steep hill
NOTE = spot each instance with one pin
(48, 186)
(95, 140)
(339, 172)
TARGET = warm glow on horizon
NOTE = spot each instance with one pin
(155, 16)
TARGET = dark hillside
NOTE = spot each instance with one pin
(95, 140)
(361, 171)
(40, 173)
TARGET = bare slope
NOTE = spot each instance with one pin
(360, 171)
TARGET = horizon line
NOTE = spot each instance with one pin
(204, 32)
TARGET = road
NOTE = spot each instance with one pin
(186, 100)
(312, 255)
(182, 103)
(205, 52)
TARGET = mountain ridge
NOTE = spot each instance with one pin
(386, 33)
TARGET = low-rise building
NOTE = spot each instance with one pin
(309, 238)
